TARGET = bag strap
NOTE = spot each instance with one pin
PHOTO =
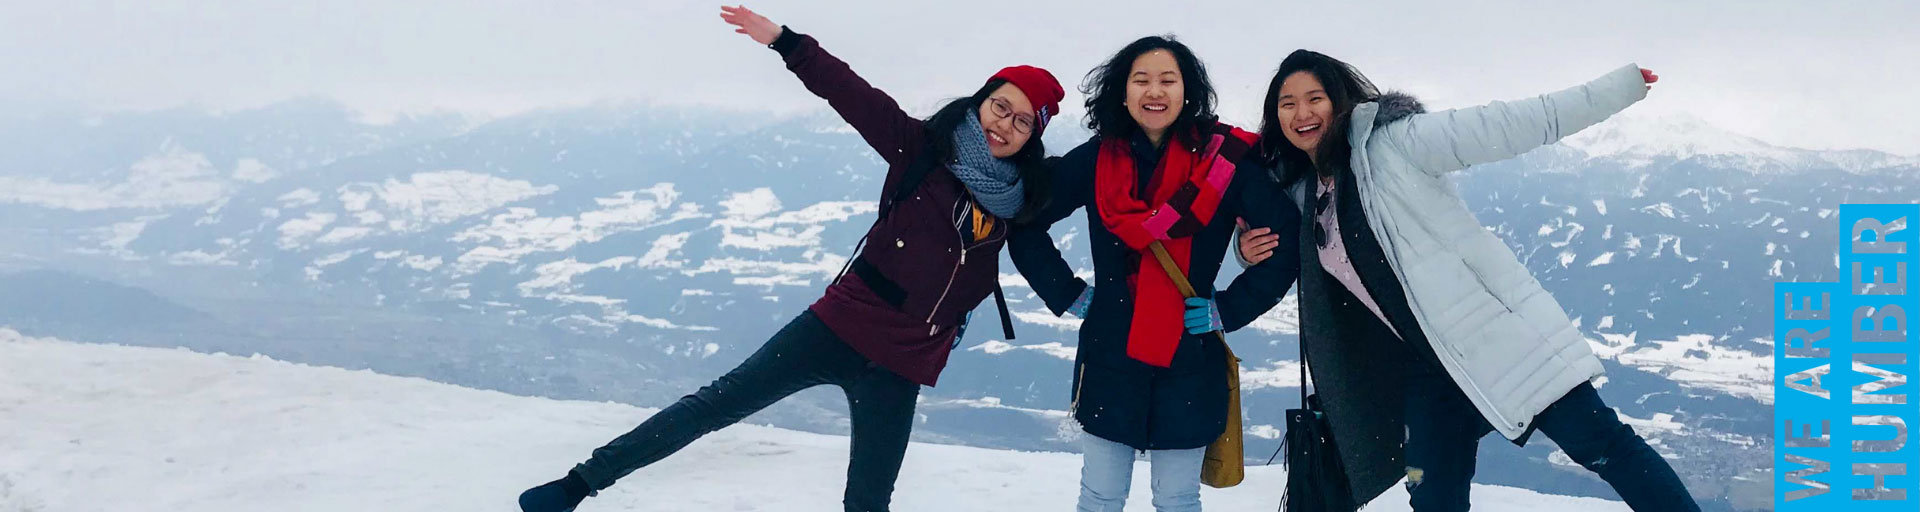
(1179, 279)
(910, 179)
(1303, 372)
(1186, 289)
(1006, 318)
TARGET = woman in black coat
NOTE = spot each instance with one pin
(1150, 373)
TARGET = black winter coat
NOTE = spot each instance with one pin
(1118, 398)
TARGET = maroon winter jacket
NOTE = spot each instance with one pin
(937, 274)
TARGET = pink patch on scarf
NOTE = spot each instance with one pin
(1221, 173)
(1162, 220)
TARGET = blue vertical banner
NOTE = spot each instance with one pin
(1845, 360)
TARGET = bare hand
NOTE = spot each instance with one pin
(1647, 74)
(1256, 245)
(758, 27)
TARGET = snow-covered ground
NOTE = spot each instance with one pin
(104, 427)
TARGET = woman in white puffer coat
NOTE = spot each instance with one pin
(1422, 331)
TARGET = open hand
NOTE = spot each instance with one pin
(758, 27)
(1256, 245)
(1647, 74)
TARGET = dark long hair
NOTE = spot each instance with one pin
(1106, 90)
(1030, 160)
(1345, 86)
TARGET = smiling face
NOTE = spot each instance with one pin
(1304, 111)
(1007, 118)
(1155, 92)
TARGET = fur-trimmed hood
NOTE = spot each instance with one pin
(1396, 105)
(1389, 107)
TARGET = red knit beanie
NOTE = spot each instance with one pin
(1041, 88)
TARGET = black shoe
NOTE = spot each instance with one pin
(557, 496)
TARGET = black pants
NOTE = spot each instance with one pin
(804, 354)
(1444, 431)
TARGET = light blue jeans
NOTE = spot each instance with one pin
(1106, 475)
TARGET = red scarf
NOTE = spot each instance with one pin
(1187, 190)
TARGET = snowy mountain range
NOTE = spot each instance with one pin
(630, 253)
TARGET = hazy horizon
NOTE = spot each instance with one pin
(1796, 74)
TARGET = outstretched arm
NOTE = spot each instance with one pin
(1441, 142)
(873, 113)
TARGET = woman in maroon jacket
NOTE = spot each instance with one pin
(954, 183)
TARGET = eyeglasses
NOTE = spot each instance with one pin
(1320, 204)
(1022, 123)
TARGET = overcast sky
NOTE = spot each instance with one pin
(1817, 74)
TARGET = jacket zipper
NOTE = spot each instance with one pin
(964, 248)
(932, 328)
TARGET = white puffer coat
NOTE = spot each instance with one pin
(1502, 338)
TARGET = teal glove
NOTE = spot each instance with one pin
(1203, 316)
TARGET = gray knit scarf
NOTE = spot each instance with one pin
(995, 183)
